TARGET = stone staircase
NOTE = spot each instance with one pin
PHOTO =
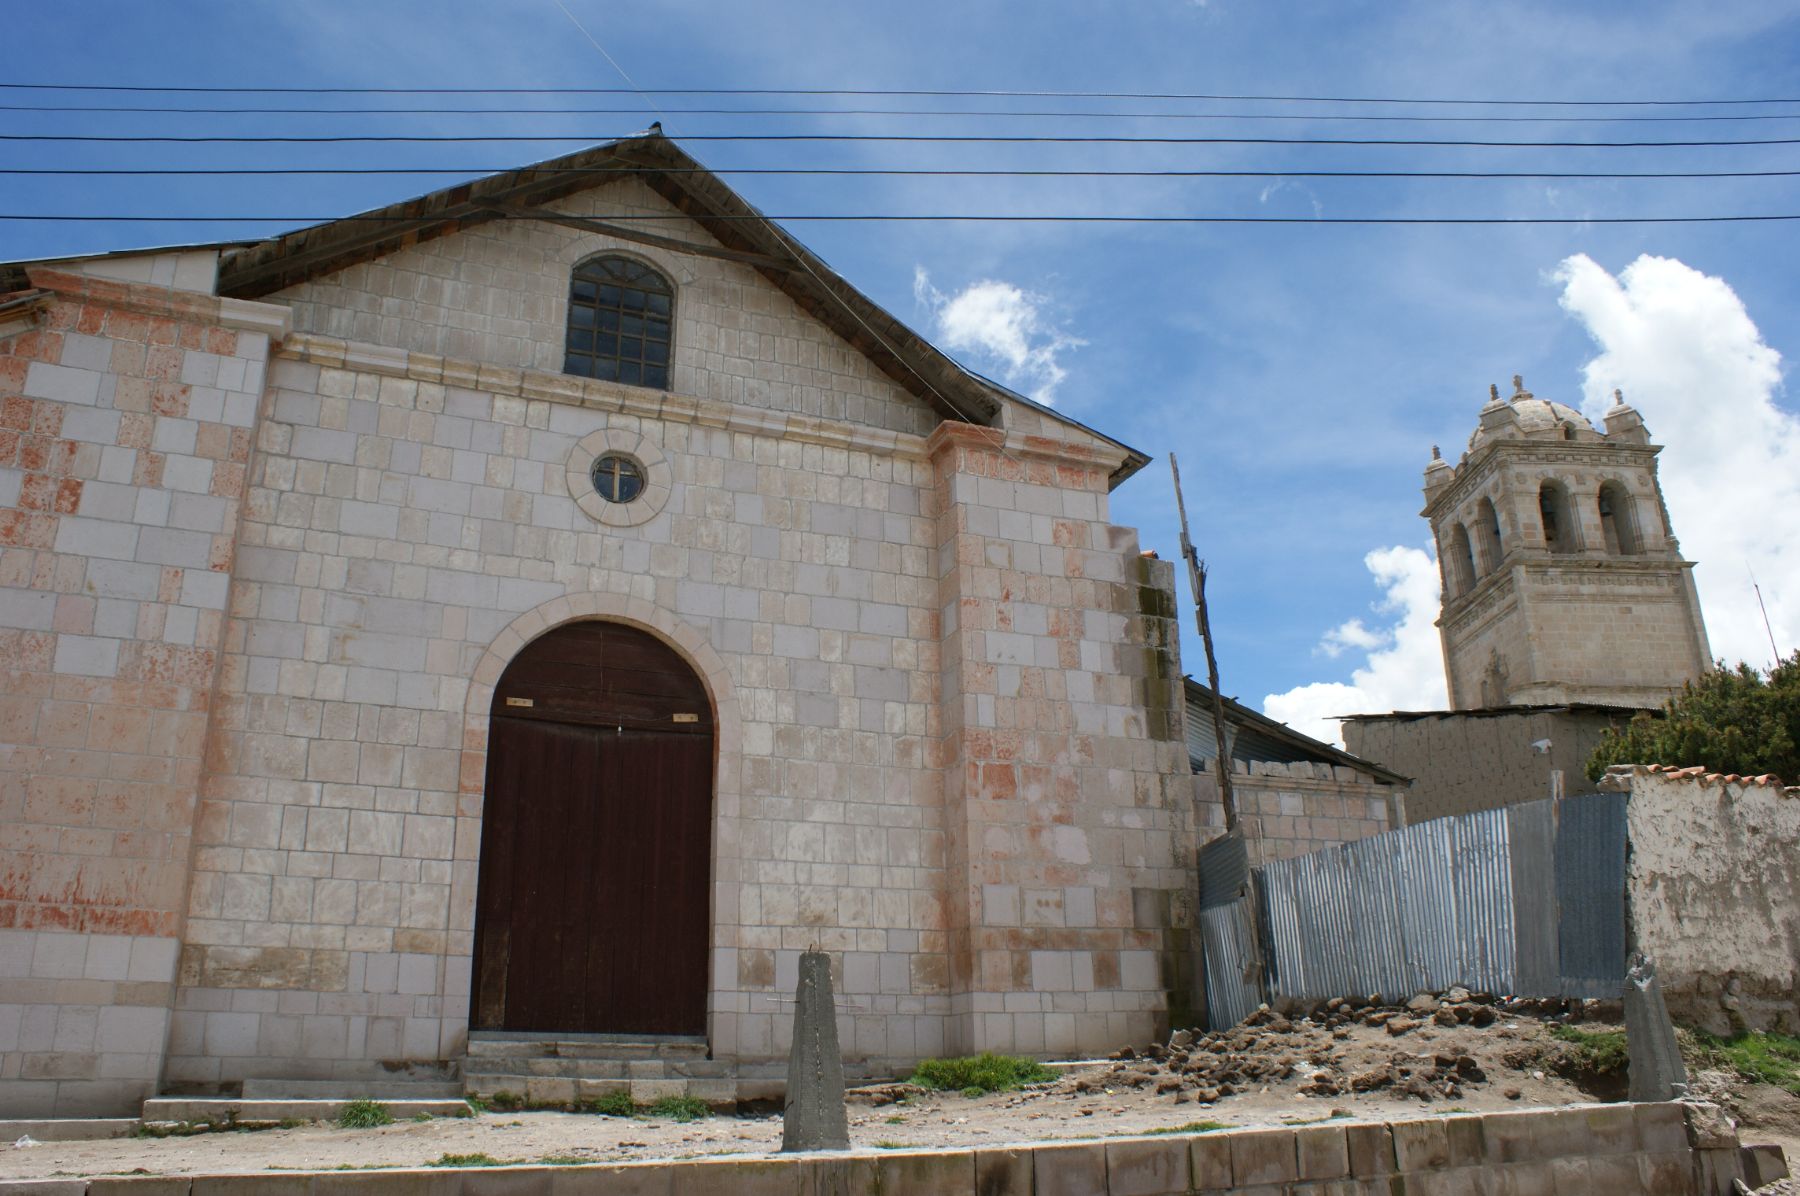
(567, 1069)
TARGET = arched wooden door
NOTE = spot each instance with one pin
(593, 911)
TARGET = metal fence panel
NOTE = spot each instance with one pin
(1590, 894)
(1531, 836)
(1528, 900)
(1225, 937)
(1482, 877)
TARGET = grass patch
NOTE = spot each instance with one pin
(1190, 1127)
(364, 1115)
(983, 1073)
(1762, 1058)
(174, 1129)
(506, 1102)
(890, 1145)
(1599, 1052)
(467, 1160)
(679, 1108)
(564, 1160)
(617, 1103)
(896, 1119)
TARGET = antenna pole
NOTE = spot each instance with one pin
(1197, 582)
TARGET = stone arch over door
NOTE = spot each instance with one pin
(487, 746)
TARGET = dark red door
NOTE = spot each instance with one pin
(593, 911)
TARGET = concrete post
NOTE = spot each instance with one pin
(1657, 1072)
(813, 1115)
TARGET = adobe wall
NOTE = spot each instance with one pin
(1461, 763)
(1293, 809)
(125, 434)
(1713, 883)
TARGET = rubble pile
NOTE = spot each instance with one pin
(1313, 1045)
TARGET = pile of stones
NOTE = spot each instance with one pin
(1269, 1047)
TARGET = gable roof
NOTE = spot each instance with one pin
(743, 233)
(1255, 736)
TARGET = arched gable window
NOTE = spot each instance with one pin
(621, 322)
(1487, 535)
(1560, 533)
(1618, 520)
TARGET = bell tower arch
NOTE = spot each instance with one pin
(1576, 590)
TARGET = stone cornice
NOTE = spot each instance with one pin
(637, 401)
(271, 319)
(1474, 469)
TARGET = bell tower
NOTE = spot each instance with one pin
(1563, 581)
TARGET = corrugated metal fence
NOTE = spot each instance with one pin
(1528, 900)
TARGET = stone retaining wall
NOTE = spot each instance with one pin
(1602, 1150)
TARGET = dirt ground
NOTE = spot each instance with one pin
(1278, 1072)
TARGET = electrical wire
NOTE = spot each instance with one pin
(898, 138)
(939, 93)
(1366, 118)
(908, 172)
(996, 218)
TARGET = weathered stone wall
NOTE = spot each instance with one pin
(125, 429)
(1713, 884)
(1463, 762)
(947, 690)
(1064, 765)
(1293, 809)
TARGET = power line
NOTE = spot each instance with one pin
(875, 217)
(904, 172)
(1364, 118)
(898, 138)
(902, 92)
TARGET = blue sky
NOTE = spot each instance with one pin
(1301, 372)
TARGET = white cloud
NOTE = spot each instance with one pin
(1404, 666)
(1002, 325)
(1690, 359)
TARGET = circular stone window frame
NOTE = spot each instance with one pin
(659, 477)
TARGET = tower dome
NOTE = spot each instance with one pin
(1562, 581)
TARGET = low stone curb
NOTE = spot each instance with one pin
(67, 1129)
(1581, 1150)
(223, 1111)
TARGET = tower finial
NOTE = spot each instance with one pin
(1435, 455)
(1518, 385)
(1618, 397)
(1493, 393)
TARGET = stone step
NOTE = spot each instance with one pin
(598, 1069)
(222, 1111)
(483, 1047)
(720, 1092)
(67, 1129)
(342, 1090)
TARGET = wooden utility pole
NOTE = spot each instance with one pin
(1197, 582)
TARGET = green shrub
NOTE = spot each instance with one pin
(986, 1072)
(1726, 720)
(467, 1160)
(680, 1108)
(364, 1115)
(617, 1103)
(1601, 1052)
(506, 1102)
(1190, 1127)
(1762, 1058)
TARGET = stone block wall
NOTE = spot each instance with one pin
(125, 430)
(498, 293)
(1291, 809)
(1065, 797)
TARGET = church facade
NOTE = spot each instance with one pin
(490, 619)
